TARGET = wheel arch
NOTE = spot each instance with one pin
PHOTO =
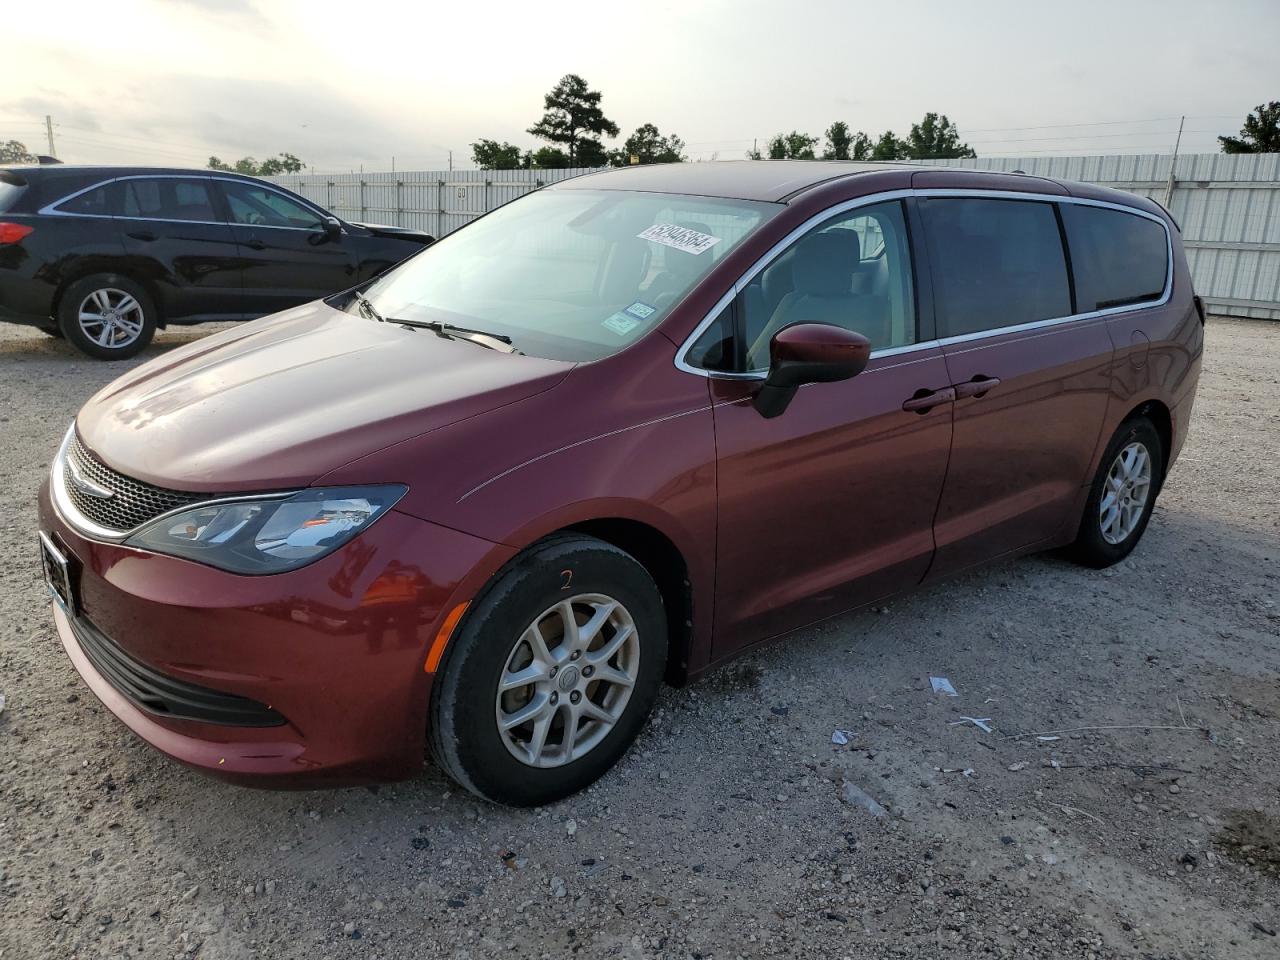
(1158, 413)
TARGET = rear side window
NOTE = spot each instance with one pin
(996, 263)
(91, 203)
(1117, 258)
(168, 198)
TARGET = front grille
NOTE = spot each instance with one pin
(163, 695)
(133, 502)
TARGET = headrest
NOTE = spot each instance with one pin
(823, 263)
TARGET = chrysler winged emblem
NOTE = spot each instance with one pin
(85, 485)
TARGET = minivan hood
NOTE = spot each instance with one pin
(278, 402)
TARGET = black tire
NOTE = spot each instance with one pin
(1091, 547)
(69, 316)
(464, 737)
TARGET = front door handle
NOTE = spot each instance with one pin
(976, 387)
(253, 243)
(144, 235)
(926, 400)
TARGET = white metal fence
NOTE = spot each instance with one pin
(1227, 205)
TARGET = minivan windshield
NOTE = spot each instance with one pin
(568, 274)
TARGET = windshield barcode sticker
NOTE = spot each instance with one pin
(679, 238)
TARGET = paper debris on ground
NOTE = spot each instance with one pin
(1048, 739)
(856, 797)
(982, 723)
(841, 737)
(943, 685)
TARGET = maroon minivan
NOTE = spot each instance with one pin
(615, 432)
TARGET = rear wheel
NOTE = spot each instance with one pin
(107, 316)
(552, 673)
(1122, 496)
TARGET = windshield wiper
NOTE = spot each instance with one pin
(459, 333)
(438, 327)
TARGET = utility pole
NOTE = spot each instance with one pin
(48, 128)
(1168, 190)
(451, 161)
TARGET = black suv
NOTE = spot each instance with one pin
(104, 255)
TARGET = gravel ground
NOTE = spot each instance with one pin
(726, 832)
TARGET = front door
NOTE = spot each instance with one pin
(1031, 382)
(286, 255)
(829, 505)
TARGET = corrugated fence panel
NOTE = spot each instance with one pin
(1228, 206)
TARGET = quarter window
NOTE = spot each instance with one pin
(262, 206)
(1116, 258)
(91, 203)
(169, 198)
(995, 263)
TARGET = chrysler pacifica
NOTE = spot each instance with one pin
(610, 435)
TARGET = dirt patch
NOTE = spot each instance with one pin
(1252, 838)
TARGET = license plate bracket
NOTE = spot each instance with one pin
(57, 575)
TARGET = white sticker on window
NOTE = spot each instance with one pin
(641, 310)
(621, 324)
(679, 238)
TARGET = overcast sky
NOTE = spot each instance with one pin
(344, 84)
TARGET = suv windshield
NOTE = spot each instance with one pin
(569, 274)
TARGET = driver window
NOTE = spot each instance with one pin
(261, 206)
(854, 271)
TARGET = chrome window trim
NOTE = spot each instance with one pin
(50, 209)
(778, 248)
(77, 521)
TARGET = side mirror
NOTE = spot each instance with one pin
(330, 230)
(809, 353)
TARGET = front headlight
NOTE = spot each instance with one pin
(268, 536)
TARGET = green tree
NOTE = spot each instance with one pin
(14, 151)
(492, 155)
(573, 118)
(1260, 133)
(792, 146)
(934, 136)
(842, 144)
(839, 141)
(281, 163)
(648, 145)
(548, 158)
(888, 147)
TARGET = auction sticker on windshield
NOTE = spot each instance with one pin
(621, 324)
(679, 238)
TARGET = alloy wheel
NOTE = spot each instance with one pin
(567, 680)
(1125, 493)
(111, 318)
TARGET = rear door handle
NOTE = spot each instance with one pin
(926, 400)
(253, 243)
(976, 387)
(145, 235)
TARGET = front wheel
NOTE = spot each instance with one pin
(552, 673)
(1122, 496)
(107, 316)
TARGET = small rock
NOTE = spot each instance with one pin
(349, 928)
(558, 888)
(571, 827)
(191, 893)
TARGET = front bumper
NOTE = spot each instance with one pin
(336, 648)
